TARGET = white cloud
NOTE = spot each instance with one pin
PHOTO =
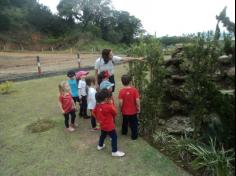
(176, 17)
(171, 17)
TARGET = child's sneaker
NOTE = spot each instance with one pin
(95, 129)
(70, 129)
(73, 125)
(118, 154)
(86, 117)
(100, 148)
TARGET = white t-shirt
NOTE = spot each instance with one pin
(91, 98)
(101, 66)
(82, 88)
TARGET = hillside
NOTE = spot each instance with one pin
(26, 24)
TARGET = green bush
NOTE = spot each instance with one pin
(218, 162)
(203, 94)
(180, 147)
(149, 78)
(163, 138)
(6, 87)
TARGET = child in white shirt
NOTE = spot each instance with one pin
(91, 99)
(82, 93)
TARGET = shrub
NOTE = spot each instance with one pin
(162, 137)
(218, 162)
(149, 78)
(180, 147)
(6, 87)
(203, 94)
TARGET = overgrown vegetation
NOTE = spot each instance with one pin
(196, 74)
(6, 87)
(217, 161)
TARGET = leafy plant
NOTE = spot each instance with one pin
(6, 87)
(180, 147)
(217, 161)
(203, 94)
(162, 137)
(149, 78)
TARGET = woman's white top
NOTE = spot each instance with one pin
(101, 66)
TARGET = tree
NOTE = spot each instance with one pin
(226, 21)
(4, 22)
(120, 27)
(66, 9)
(43, 20)
(84, 11)
(229, 46)
(128, 25)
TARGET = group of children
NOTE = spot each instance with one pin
(99, 101)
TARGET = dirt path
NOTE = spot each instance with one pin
(20, 63)
(15, 66)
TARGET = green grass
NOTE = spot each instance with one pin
(55, 152)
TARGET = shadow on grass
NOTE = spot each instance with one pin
(41, 125)
(9, 92)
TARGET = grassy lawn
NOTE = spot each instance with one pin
(55, 152)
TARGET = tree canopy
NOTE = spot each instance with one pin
(114, 26)
(97, 17)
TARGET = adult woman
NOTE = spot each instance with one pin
(106, 62)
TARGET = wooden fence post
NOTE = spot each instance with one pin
(78, 57)
(39, 65)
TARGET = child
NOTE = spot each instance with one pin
(67, 105)
(104, 78)
(105, 114)
(91, 91)
(106, 84)
(130, 106)
(73, 86)
(82, 93)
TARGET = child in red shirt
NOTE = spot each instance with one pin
(130, 106)
(105, 114)
(67, 105)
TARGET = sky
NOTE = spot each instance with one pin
(171, 17)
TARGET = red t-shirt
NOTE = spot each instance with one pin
(105, 115)
(129, 96)
(66, 101)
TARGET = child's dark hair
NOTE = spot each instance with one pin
(126, 79)
(105, 55)
(90, 80)
(70, 73)
(102, 95)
